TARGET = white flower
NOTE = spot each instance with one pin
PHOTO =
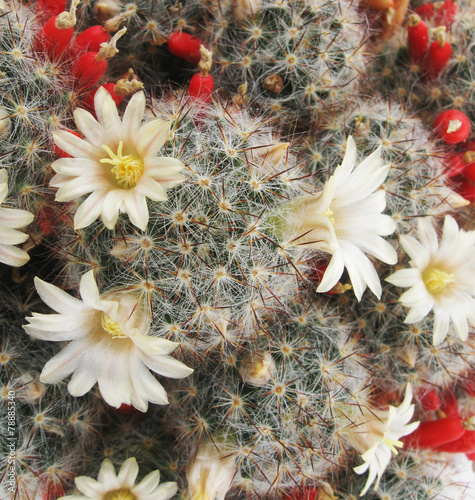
(345, 220)
(122, 486)
(109, 345)
(116, 163)
(211, 472)
(10, 220)
(378, 435)
(442, 278)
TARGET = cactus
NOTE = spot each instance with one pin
(203, 256)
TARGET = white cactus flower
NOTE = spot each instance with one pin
(345, 220)
(10, 220)
(378, 436)
(116, 162)
(112, 486)
(441, 278)
(109, 345)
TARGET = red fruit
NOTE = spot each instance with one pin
(126, 409)
(303, 493)
(201, 87)
(449, 406)
(53, 39)
(425, 11)
(464, 444)
(56, 34)
(89, 99)
(90, 40)
(88, 70)
(417, 38)
(49, 8)
(467, 190)
(455, 166)
(431, 400)
(471, 456)
(469, 163)
(438, 55)
(446, 14)
(434, 433)
(452, 126)
(60, 152)
(185, 46)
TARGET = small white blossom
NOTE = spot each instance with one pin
(109, 345)
(345, 220)
(442, 278)
(122, 486)
(10, 220)
(116, 162)
(379, 434)
(211, 472)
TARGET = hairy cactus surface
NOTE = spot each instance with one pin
(236, 250)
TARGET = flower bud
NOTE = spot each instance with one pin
(257, 368)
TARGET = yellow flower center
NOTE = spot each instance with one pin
(392, 443)
(122, 494)
(328, 214)
(114, 330)
(436, 280)
(126, 169)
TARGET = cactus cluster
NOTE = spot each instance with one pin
(261, 292)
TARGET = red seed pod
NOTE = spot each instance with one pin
(201, 87)
(425, 11)
(90, 67)
(60, 152)
(452, 126)
(430, 401)
(469, 164)
(438, 55)
(434, 433)
(455, 166)
(464, 444)
(126, 409)
(449, 405)
(90, 40)
(49, 8)
(56, 34)
(417, 38)
(303, 493)
(446, 14)
(89, 99)
(202, 84)
(466, 189)
(185, 46)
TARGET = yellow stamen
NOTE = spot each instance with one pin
(122, 494)
(113, 329)
(126, 169)
(328, 214)
(436, 280)
(392, 443)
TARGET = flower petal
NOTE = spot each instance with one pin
(151, 137)
(128, 473)
(74, 146)
(89, 210)
(133, 114)
(64, 363)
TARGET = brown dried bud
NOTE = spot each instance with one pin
(257, 368)
(129, 84)
(106, 9)
(274, 83)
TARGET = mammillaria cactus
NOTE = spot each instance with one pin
(203, 253)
